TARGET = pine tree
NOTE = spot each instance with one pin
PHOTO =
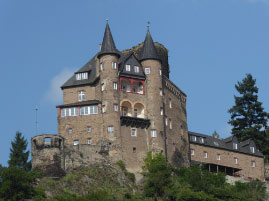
(248, 118)
(18, 156)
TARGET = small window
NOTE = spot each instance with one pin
(234, 145)
(170, 102)
(81, 95)
(110, 129)
(147, 71)
(47, 140)
(153, 133)
(78, 76)
(161, 92)
(103, 108)
(235, 160)
(102, 87)
(252, 150)
(192, 152)
(205, 154)
(135, 112)
(166, 121)
(115, 107)
(136, 69)
(170, 123)
(201, 139)
(115, 85)
(134, 149)
(218, 157)
(76, 142)
(127, 67)
(89, 140)
(133, 132)
(161, 111)
(114, 65)
(193, 138)
(89, 129)
(101, 67)
(253, 164)
(84, 76)
(70, 130)
(160, 71)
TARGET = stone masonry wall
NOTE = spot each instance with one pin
(227, 159)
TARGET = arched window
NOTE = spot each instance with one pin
(126, 109)
(139, 110)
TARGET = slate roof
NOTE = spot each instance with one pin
(226, 144)
(149, 50)
(81, 103)
(108, 45)
(130, 59)
(88, 67)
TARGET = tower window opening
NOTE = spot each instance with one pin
(101, 67)
(76, 142)
(102, 87)
(153, 133)
(89, 140)
(114, 65)
(110, 129)
(147, 70)
(89, 129)
(134, 149)
(115, 107)
(133, 132)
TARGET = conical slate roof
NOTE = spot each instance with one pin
(149, 50)
(108, 45)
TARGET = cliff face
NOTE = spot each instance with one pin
(96, 179)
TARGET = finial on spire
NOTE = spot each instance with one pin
(148, 23)
(106, 20)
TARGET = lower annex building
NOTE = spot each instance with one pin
(119, 106)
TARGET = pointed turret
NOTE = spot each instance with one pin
(108, 45)
(149, 50)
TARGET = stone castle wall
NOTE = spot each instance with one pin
(54, 158)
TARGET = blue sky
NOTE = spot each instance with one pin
(212, 44)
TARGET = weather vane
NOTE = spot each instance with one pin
(36, 109)
(148, 23)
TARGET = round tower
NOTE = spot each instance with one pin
(109, 84)
(152, 66)
(47, 154)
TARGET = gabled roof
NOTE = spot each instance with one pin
(130, 59)
(88, 67)
(225, 144)
(108, 45)
(149, 50)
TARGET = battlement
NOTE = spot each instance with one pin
(47, 141)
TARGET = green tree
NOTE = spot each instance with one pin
(158, 175)
(18, 156)
(248, 118)
(16, 184)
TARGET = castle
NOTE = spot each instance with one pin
(118, 106)
(121, 105)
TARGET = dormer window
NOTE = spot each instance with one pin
(193, 138)
(234, 145)
(136, 69)
(201, 139)
(252, 150)
(81, 76)
(216, 143)
(127, 67)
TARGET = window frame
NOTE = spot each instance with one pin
(147, 70)
(136, 69)
(110, 129)
(128, 67)
(153, 133)
(89, 140)
(115, 85)
(81, 95)
(101, 66)
(115, 107)
(135, 132)
(89, 129)
(205, 154)
(114, 65)
(218, 157)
